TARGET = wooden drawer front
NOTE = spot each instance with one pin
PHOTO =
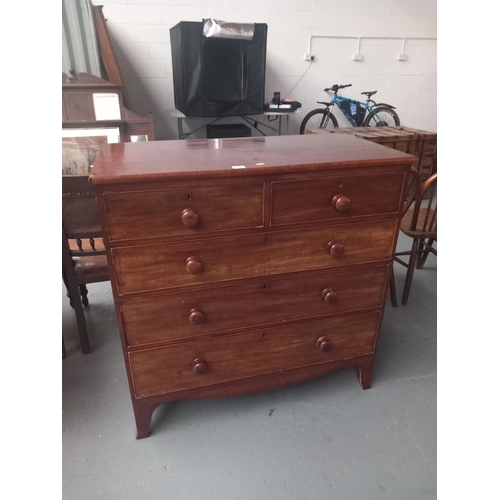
(335, 197)
(170, 369)
(198, 312)
(161, 266)
(146, 214)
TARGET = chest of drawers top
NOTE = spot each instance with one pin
(249, 156)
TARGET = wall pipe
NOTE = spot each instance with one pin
(359, 38)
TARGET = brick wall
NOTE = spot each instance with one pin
(140, 33)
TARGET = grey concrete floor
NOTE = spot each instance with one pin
(324, 439)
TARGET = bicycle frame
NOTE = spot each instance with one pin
(336, 99)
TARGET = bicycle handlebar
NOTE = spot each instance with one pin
(336, 87)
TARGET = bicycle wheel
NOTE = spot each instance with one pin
(383, 116)
(318, 118)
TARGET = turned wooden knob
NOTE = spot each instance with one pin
(335, 248)
(196, 317)
(199, 366)
(324, 344)
(329, 296)
(194, 265)
(341, 202)
(189, 217)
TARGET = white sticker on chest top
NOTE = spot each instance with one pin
(238, 166)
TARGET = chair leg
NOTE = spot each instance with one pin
(392, 286)
(411, 269)
(82, 324)
(423, 256)
(66, 284)
(74, 291)
(420, 249)
(84, 293)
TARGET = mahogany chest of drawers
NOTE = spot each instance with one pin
(247, 264)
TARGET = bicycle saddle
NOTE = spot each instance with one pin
(369, 94)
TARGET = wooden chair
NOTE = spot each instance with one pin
(419, 222)
(83, 254)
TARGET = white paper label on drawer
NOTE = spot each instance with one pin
(238, 166)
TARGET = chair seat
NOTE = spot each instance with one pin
(94, 267)
(418, 232)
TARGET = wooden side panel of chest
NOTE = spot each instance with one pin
(231, 282)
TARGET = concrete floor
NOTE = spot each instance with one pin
(324, 439)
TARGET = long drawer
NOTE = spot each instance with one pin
(144, 214)
(162, 266)
(206, 362)
(215, 310)
(335, 197)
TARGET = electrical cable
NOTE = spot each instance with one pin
(299, 79)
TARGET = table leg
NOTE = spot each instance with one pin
(179, 125)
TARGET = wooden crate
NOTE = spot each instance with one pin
(419, 143)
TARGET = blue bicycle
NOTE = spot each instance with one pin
(359, 114)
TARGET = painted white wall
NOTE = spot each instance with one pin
(140, 33)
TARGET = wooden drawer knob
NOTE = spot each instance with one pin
(341, 202)
(196, 317)
(335, 248)
(324, 344)
(199, 366)
(189, 217)
(329, 296)
(194, 265)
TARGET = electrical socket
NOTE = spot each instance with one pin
(357, 57)
(402, 57)
(308, 57)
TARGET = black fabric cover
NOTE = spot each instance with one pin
(218, 76)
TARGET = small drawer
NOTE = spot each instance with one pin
(206, 362)
(163, 266)
(273, 301)
(335, 198)
(144, 214)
